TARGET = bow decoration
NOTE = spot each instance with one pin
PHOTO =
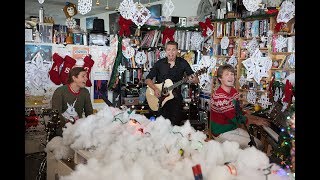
(124, 26)
(168, 34)
(206, 27)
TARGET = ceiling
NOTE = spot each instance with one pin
(53, 8)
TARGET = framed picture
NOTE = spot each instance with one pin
(89, 22)
(100, 91)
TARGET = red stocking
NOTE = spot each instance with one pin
(54, 72)
(88, 63)
(69, 62)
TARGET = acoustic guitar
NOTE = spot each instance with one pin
(165, 89)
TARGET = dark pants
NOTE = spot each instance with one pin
(172, 110)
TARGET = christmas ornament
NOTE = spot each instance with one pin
(127, 9)
(69, 62)
(84, 6)
(206, 27)
(251, 5)
(140, 58)
(141, 15)
(167, 8)
(286, 12)
(167, 34)
(224, 42)
(54, 72)
(88, 63)
(124, 26)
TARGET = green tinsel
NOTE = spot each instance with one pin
(116, 64)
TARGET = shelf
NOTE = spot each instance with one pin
(220, 37)
(285, 33)
(282, 53)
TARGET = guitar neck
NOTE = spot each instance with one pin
(177, 84)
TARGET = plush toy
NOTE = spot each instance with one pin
(70, 10)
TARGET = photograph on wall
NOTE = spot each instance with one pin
(38, 86)
(89, 22)
(100, 91)
(114, 22)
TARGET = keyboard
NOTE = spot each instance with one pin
(271, 132)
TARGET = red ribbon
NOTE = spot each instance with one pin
(124, 26)
(167, 34)
(205, 26)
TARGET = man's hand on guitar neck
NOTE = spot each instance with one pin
(193, 79)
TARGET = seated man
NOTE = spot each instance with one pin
(225, 116)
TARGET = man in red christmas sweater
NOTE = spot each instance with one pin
(72, 99)
(224, 121)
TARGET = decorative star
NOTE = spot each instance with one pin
(257, 66)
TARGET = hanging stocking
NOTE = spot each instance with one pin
(54, 72)
(88, 63)
(288, 92)
(69, 62)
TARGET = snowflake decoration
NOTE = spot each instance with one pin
(233, 61)
(252, 46)
(128, 52)
(127, 9)
(242, 80)
(71, 23)
(121, 69)
(224, 42)
(141, 58)
(167, 8)
(196, 40)
(257, 66)
(264, 101)
(255, 28)
(277, 94)
(251, 5)
(36, 72)
(251, 97)
(84, 6)
(208, 62)
(291, 61)
(163, 54)
(281, 42)
(141, 15)
(286, 12)
(205, 82)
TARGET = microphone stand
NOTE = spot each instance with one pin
(238, 115)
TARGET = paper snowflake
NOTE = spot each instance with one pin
(257, 66)
(286, 12)
(84, 6)
(196, 40)
(251, 5)
(140, 57)
(233, 61)
(252, 46)
(207, 61)
(121, 69)
(36, 72)
(281, 42)
(242, 80)
(167, 8)
(224, 42)
(277, 94)
(127, 9)
(71, 23)
(264, 101)
(141, 15)
(251, 97)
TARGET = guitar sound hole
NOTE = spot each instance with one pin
(165, 92)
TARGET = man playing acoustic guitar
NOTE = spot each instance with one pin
(170, 69)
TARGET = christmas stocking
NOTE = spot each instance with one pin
(54, 72)
(88, 63)
(69, 62)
